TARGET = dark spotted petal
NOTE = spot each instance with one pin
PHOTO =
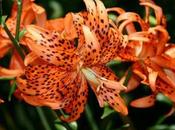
(91, 49)
(76, 107)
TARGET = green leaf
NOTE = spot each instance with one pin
(57, 9)
(0, 11)
(159, 127)
(3, 19)
(113, 62)
(21, 33)
(7, 78)
(73, 125)
(152, 20)
(12, 90)
(164, 99)
(128, 76)
(107, 111)
(60, 127)
(112, 16)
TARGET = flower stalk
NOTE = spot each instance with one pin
(19, 2)
(43, 118)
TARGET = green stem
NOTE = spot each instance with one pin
(0, 11)
(127, 122)
(7, 78)
(12, 90)
(19, 2)
(43, 118)
(60, 113)
(90, 118)
(14, 41)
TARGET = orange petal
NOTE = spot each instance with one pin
(112, 97)
(133, 83)
(91, 49)
(39, 101)
(52, 49)
(1, 101)
(49, 38)
(10, 72)
(103, 18)
(69, 31)
(110, 48)
(55, 24)
(157, 9)
(92, 14)
(40, 79)
(152, 78)
(40, 15)
(164, 61)
(116, 9)
(162, 36)
(31, 57)
(144, 102)
(170, 50)
(4, 47)
(16, 62)
(133, 17)
(79, 101)
(105, 91)
(160, 71)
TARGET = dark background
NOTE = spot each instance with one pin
(17, 115)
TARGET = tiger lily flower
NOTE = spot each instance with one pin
(30, 13)
(152, 65)
(60, 79)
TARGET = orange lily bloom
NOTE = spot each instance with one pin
(152, 65)
(59, 78)
(30, 13)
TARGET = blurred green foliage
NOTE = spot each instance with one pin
(17, 115)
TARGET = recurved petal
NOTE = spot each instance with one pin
(92, 14)
(40, 15)
(144, 102)
(162, 35)
(157, 10)
(91, 49)
(133, 17)
(103, 18)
